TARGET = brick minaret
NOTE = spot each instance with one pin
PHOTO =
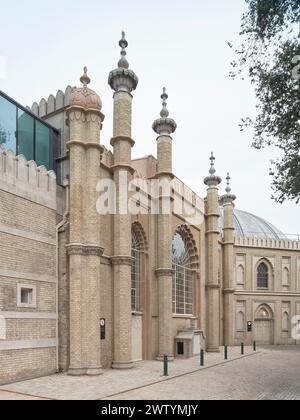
(84, 248)
(212, 266)
(123, 81)
(164, 127)
(228, 263)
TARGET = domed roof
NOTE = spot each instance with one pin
(249, 225)
(84, 97)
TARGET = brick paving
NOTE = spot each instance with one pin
(270, 373)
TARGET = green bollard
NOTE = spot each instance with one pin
(202, 358)
(242, 349)
(226, 352)
(254, 345)
(166, 365)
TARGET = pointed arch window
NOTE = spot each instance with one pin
(262, 276)
(182, 277)
(136, 277)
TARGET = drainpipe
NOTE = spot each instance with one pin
(58, 227)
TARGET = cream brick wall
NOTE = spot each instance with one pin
(22, 364)
(30, 208)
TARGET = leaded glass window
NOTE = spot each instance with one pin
(182, 277)
(136, 305)
(262, 276)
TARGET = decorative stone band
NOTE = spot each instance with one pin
(213, 286)
(228, 243)
(215, 232)
(164, 272)
(114, 140)
(87, 145)
(77, 113)
(85, 249)
(124, 167)
(121, 260)
(212, 215)
(228, 291)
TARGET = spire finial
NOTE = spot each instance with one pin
(228, 198)
(212, 170)
(85, 80)
(164, 125)
(164, 112)
(212, 180)
(228, 188)
(123, 63)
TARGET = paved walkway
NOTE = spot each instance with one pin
(269, 373)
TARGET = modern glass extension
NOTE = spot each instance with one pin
(25, 134)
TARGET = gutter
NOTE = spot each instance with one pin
(58, 228)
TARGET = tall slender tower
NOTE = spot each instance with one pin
(164, 127)
(123, 81)
(228, 243)
(212, 270)
(84, 248)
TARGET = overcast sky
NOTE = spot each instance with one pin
(178, 44)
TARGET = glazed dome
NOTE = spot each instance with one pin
(249, 225)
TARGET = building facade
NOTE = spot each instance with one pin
(106, 261)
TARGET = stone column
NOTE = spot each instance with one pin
(164, 127)
(228, 268)
(84, 248)
(123, 81)
(212, 270)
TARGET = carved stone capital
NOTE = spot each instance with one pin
(164, 272)
(84, 249)
(121, 260)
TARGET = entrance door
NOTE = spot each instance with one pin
(137, 338)
(263, 331)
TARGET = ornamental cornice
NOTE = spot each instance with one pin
(88, 145)
(164, 272)
(79, 113)
(228, 291)
(121, 260)
(123, 79)
(114, 140)
(213, 286)
(85, 249)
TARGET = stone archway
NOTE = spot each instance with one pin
(264, 325)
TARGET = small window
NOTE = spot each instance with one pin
(26, 296)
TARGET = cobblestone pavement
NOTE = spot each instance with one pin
(270, 373)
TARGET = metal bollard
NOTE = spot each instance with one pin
(226, 352)
(166, 365)
(254, 345)
(242, 349)
(202, 362)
